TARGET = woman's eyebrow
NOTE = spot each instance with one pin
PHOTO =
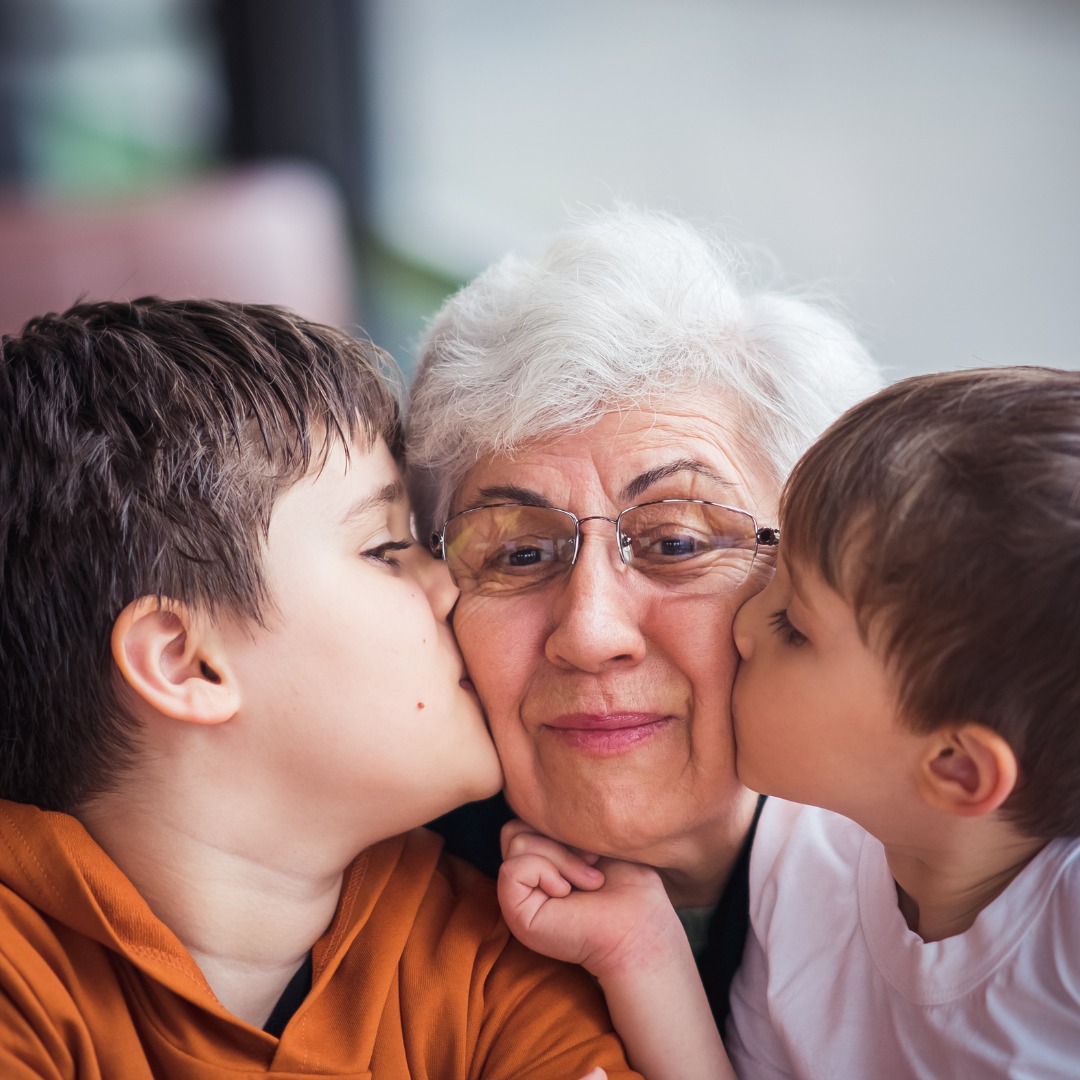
(643, 481)
(508, 493)
(376, 500)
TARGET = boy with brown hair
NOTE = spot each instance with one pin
(229, 695)
(910, 673)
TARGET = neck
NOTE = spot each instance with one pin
(695, 869)
(942, 887)
(247, 916)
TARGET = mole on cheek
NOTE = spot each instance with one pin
(419, 704)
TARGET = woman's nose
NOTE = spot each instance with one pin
(597, 611)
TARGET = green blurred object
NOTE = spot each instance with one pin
(108, 97)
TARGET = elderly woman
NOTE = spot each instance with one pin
(598, 440)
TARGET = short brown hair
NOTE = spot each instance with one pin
(143, 447)
(946, 509)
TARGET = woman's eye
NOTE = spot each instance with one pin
(672, 545)
(524, 557)
(676, 546)
(521, 556)
(781, 625)
(383, 552)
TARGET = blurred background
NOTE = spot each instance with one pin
(916, 160)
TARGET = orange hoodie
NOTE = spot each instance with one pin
(417, 978)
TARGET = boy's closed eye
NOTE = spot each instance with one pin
(382, 552)
(782, 625)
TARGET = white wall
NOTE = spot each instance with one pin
(919, 159)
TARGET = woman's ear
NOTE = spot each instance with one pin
(174, 661)
(968, 770)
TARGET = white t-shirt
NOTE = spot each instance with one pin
(834, 985)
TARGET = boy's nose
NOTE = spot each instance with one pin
(742, 627)
(434, 578)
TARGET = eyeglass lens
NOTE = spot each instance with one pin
(682, 543)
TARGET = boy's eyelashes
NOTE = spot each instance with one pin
(382, 552)
(782, 625)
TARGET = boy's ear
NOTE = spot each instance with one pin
(174, 661)
(968, 770)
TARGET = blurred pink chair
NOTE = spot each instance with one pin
(265, 234)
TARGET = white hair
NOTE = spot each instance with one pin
(624, 309)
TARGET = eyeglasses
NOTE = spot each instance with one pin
(685, 544)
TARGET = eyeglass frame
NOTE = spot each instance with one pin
(764, 535)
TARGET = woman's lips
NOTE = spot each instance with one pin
(605, 733)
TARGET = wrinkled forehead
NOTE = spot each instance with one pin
(686, 447)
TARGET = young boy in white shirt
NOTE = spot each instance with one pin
(910, 674)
